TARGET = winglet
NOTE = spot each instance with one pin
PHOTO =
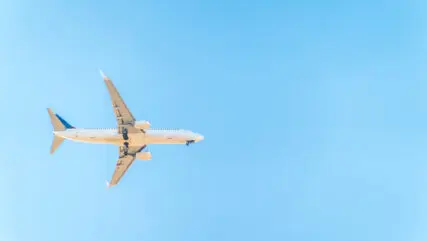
(103, 74)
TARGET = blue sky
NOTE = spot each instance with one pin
(314, 114)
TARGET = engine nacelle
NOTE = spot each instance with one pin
(145, 156)
(142, 124)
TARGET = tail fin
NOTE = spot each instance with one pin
(58, 124)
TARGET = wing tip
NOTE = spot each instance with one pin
(103, 75)
(109, 184)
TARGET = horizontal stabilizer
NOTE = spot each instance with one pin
(57, 141)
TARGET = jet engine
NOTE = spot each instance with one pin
(145, 156)
(142, 124)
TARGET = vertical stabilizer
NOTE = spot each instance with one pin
(58, 124)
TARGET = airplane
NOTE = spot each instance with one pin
(130, 135)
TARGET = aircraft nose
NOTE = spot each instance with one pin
(200, 138)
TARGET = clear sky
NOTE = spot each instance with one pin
(314, 115)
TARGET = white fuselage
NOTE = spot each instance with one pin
(111, 136)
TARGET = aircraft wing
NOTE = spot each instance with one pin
(123, 164)
(123, 115)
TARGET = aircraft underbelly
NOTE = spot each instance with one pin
(164, 139)
(134, 139)
(141, 139)
(117, 139)
(98, 139)
(93, 137)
